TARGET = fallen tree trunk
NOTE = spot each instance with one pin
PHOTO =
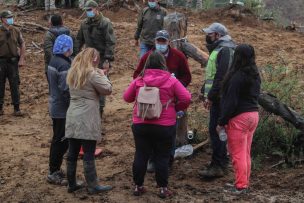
(272, 104)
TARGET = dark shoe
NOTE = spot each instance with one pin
(57, 179)
(18, 113)
(71, 175)
(99, 188)
(151, 167)
(139, 190)
(212, 171)
(236, 191)
(1, 112)
(165, 193)
(91, 178)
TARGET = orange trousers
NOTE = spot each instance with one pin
(240, 130)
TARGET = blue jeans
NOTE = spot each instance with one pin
(219, 150)
(144, 48)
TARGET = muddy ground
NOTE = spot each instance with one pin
(24, 145)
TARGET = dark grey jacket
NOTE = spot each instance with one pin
(59, 97)
(49, 40)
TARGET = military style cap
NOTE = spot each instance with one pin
(90, 4)
(6, 14)
(216, 27)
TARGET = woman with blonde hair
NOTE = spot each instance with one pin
(83, 123)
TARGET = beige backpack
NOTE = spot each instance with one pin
(148, 102)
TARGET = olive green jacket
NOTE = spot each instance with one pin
(149, 22)
(97, 33)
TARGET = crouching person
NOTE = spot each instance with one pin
(83, 126)
(154, 130)
(58, 105)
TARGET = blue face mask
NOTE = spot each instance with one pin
(152, 4)
(161, 47)
(10, 21)
(90, 14)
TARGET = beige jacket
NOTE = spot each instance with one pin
(83, 118)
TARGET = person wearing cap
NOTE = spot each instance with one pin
(12, 51)
(177, 64)
(221, 49)
(96, 31)
(59, 99)
(150, 20)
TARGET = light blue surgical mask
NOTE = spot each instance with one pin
(90, 14)
(10, 21)
(152, 4)
(161, 47)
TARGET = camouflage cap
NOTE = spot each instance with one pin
(90, 4)
(6, 14)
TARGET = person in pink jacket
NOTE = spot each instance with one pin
(156, 135)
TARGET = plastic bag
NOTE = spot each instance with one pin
(183, 151)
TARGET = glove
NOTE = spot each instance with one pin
(180, 114)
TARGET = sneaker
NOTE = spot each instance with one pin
(18, 113)
(236, 191)
(57, 178)
(151, 167)
(139, 190)
(212, 171)
(229, 185)
(165, 193)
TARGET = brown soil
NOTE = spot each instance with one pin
(25, 141)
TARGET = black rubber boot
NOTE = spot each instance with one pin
(71, 176)
(91, 178)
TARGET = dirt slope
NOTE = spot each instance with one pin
(24, 145)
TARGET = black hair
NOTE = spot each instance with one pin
(56, 20)
(156, 60)
(243, 60)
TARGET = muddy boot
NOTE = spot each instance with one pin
(17, 111)
(91, 178)
(71, 176)
(212, 171)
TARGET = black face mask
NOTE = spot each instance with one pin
(208, 40)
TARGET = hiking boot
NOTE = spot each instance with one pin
(91, 178)
(18, 113)
(236, 191)
(139, 190)
(71, 176)
(150, 167)
(56, 178)
(165, 193)
(212, 171)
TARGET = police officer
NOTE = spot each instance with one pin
(150, 20)
(12, 50)
(96, 31)
(221, 49)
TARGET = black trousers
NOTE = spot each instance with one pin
(219, 150)
(88, 147)
(9, 69)
(157, 139)
(59, 145)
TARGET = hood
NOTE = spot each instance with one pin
(156, 77)
(59, 30)
(225, 41)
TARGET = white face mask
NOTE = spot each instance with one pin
(161, 47)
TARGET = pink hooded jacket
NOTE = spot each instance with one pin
(170, 88)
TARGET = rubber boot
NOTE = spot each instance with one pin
(91, 178)
(71, 176)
